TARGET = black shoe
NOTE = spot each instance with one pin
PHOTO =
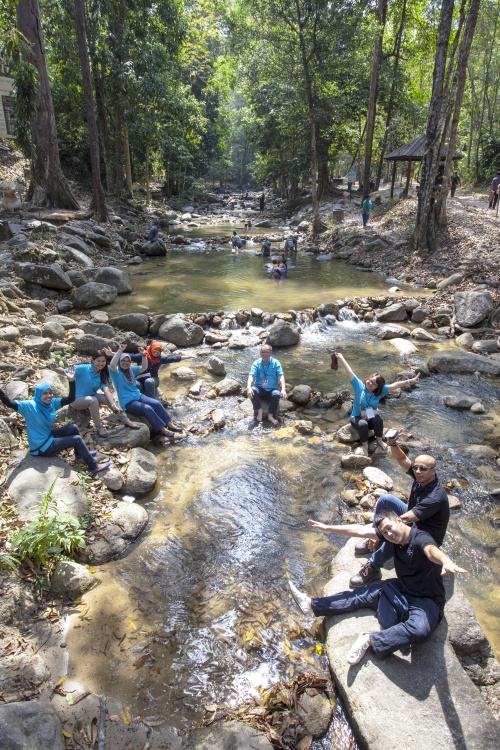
(366, 575)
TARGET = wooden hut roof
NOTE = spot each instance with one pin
(414, 151)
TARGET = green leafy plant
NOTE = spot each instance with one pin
(49, 536)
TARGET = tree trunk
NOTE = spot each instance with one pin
(372, 101)
(119, 150)
(128, 162)
(390, 106)
(99, 200)
(457, 98)
(148, 197)
(48, 186)
(424, 234)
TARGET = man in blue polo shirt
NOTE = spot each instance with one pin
(266, 381)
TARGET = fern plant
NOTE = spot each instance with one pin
(49, 536)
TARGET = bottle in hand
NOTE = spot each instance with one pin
(334, 363)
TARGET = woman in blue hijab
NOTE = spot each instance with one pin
(40, 415)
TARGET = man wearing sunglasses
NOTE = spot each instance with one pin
(428, 508)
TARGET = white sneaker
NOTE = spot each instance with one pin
(358, 649)
(302, 601)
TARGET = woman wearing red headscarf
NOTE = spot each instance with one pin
(148, 381)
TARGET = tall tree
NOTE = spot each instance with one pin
(372, 102)
(424, 235)
(99, 200)
(48, 186)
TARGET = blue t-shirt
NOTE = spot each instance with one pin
(87, 381)
(126, 391)
(39, 422)
(270, 372)
(363, 399)
(367, 206)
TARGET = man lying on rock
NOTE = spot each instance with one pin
(408, 607)
(428, 508)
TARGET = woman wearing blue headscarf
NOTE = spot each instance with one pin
(40, 415)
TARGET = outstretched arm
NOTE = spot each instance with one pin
(345, 365)
(356, 530)
(144, 363)
(403, 383)
(437, 556)
(7, 401)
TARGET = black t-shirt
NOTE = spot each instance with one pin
(417, 574)
(430, 505)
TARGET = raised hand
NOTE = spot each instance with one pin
(71, 373)
(123, 346)
(141, 350)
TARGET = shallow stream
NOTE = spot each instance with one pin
(198, 612)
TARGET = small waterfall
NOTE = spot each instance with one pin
(345, 313)
(228, 324)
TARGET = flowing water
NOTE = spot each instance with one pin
(197, 611)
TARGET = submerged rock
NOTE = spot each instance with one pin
(127, 521)
(232, 735)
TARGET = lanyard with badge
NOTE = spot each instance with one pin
(265, 379)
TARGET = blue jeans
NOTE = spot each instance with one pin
(150, 408)
(365, 218)
(384, 552)
(69, 437)
(261, 393)
(423, 618)
(148, 386)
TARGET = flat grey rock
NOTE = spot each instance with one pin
(420, 701)
(457, 360)
(30, 726)
(29, 477)
(127, 522)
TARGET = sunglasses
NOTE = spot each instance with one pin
(417, 467)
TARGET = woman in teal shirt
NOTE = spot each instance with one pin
(365, 403)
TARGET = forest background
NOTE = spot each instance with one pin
(284, 93)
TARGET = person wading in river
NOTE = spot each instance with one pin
(408, 607)
(428, 508)
(266, 381)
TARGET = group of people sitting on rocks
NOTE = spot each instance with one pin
(89, 388)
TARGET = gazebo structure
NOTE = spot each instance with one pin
(410, 152)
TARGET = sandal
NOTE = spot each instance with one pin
(102, 432)
(133, 425)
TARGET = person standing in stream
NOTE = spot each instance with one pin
(148, 381)
(364, 415)
(40, 415)
(123, 375)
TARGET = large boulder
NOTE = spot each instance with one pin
(181, 332)
(301, 394)
(121, 437)
(77, 256)
(473, 307)
(215, 365)
(457, 360)
(116, 533)
(70, 580)
(378, 477)
(29, 478)
(30, 725)
(120, 280)
(154, 249)
(76, 242)
(282, 333)
(228, 387)
(135, 322)
(92, 295)
(48, 277)
(142, 473)
(397, 311)
(89, 342)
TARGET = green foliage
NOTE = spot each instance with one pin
(50, 535)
